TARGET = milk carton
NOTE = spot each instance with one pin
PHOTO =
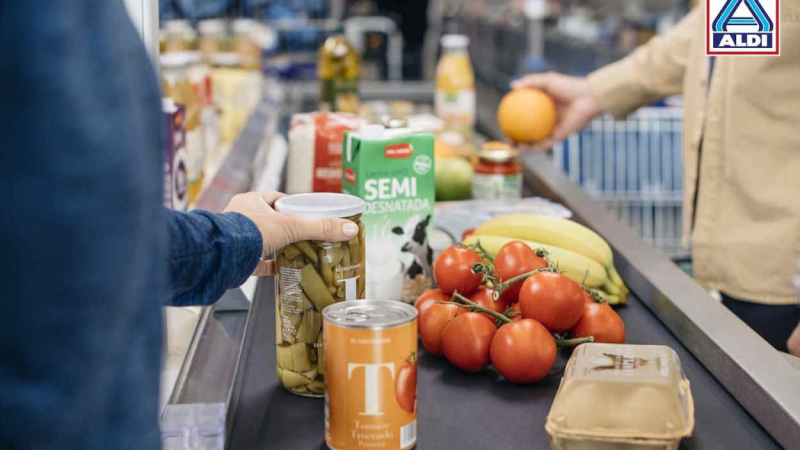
(392, 170)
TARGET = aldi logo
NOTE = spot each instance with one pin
(742, 27)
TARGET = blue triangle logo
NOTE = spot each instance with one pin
(757, 16)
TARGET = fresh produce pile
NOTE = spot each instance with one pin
(579, 252)
(511, 308)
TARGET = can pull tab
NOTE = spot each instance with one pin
(356, 316)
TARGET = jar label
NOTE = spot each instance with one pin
(496, 186)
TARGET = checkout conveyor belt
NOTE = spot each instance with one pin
(458, 410)
(744, 392)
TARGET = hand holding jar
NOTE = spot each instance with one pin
(278, 230)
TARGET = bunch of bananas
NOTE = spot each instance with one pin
(574, 249)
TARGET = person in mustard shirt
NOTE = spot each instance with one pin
(741, 156)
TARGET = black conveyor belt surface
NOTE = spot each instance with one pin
(465, 411)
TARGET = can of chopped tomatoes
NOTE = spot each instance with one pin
(371, 375)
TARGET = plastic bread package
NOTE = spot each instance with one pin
(616, 396)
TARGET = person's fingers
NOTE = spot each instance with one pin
(534, 80)
(320, 229)
(264, 268)
(271, 196)
(793, 343)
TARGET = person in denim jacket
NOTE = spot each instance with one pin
(90, 253)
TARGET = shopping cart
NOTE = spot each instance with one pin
(635, 166)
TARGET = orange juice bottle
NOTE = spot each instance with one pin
(454, 101)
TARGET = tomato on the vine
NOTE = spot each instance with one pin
(432, 324)
(523, 351)
(467, 233)
(484, 298)
(466, 341)
(600, 321)
(428, 298)
(515, 258)
(513, 312)
(405, 387)
(552, 299)
(452, 270)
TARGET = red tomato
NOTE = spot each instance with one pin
(483, 297)
(552, 299)
(427, 299)
(515, 258)
(466, 341)
(452, 270)
(602, 322)
(524, 351)
(467, 233)
(432, 324)
(514, 313)
(405, 387)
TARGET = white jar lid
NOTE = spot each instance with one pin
(320, 204)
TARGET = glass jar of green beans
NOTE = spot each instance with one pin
(311, 275)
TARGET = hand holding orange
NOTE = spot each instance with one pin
(527, 115)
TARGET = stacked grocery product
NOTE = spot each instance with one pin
(454, 100)
(338, 71)
(216, 76)
(176, 191)
(622, 396)
(370, 375)
(315, 160)
(392, 170)
(310, 276)
(187, 91)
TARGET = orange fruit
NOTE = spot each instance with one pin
(526, 115)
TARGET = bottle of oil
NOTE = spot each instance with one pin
(338, 69)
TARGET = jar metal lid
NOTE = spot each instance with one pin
(370, 314)
(320, 204)
(496, 151)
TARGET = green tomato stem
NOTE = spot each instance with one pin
(574, 341)
(500, 287)
(475, 307)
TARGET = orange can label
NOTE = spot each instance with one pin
(371, 387)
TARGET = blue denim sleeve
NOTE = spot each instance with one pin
(209, 254)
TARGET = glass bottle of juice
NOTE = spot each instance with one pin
(176, 85)
(454, 101)
(338, 69)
